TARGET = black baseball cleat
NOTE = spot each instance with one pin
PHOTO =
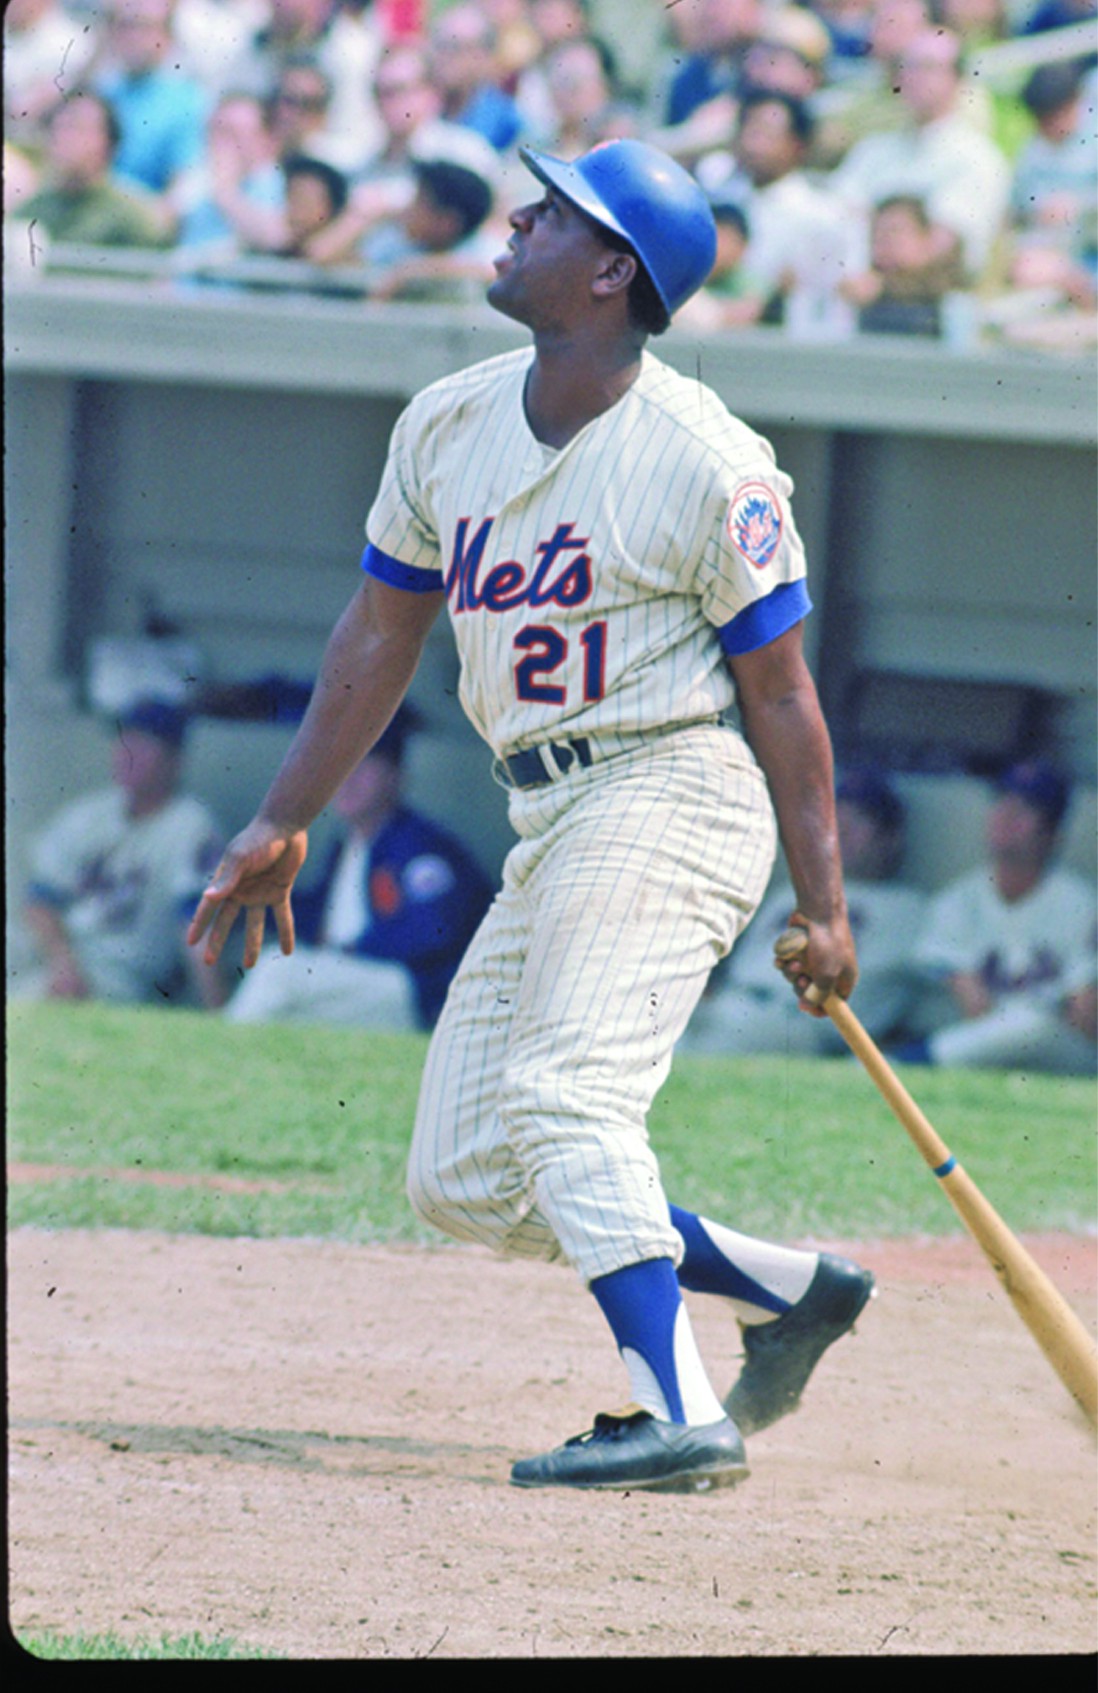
(630, 1450)
(781, 1355)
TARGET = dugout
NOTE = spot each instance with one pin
(206, 458)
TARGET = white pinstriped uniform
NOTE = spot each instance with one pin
(594, 592)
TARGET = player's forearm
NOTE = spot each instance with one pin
(802, 787)
(367, 666)
(790, 740)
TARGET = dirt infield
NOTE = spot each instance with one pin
(305, 1447)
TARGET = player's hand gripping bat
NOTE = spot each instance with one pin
(1057, 1330)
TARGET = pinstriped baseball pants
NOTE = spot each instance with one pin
(628, 882)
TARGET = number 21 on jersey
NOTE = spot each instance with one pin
(538, 678)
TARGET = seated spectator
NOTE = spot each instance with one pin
(21, 177)
(729, 298)
(234, 200)
(343, 42)
(802, 241)
(440, 244)
(517, 40)
(850, 26)
(47, 52)
(382, 932)
(116, 874)
(81, 198)
(750, 1008)
(866, 104)
(161, 112)
(1014, 943)
(582, 104)
(465, 70)
(408, 102)
(791, 53)
(299, 113)
(902, 291)
(703, 91)
(938, 154)
(316, 194)
(1054, 192)
(441, 247)
(557, 24)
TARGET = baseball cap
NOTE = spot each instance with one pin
(1040, 784)
(873, 793)
(151, 716)
(799, 30)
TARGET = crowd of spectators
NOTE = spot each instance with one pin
(919, 167)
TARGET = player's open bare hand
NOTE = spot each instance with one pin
(258, 870)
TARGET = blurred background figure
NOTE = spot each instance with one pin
(47, 52)
(750, 1007)
(1050, 296)
(908, 279)
(441, 246)
(161, 111)
(938, 154)
(557, 24)
(1054, 192)
(465, 68)
(865, 101)
(115, 875)
(234, 199)
(382, 931)
(300, 116)
(1013, 943)
(408, 103)
(802, 241)
(791, 53)
(730, 297)
(316, 195)
(81, 199)
(706, 75)
(583, 104)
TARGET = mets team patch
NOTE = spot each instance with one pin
(755, 523)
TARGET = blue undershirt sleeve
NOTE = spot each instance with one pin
(400, 575)
(764, 620)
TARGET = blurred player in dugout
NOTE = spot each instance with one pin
(749, 1009)
(382, 931)
(115, 874)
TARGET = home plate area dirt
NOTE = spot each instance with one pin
(304, 1447)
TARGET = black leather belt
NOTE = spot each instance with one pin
(536, 766)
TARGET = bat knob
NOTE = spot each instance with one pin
(790, 944)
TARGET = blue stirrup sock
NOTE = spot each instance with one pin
(643, 1305)
(760, 1279)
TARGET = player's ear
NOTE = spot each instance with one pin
(614, 274)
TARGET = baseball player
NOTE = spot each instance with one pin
(619, 561)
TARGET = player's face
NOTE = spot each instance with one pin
(369, 793)
(144, 767)
(552, 257)
(1017, 830)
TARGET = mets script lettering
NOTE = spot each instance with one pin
(560, 576)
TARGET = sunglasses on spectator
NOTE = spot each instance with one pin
(302, 102)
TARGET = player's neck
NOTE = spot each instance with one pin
(571, 382)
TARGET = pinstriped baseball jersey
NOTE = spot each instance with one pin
(593, 590)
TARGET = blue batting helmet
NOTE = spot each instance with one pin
(637, 192)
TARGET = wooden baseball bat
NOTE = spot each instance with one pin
(1056, 1328)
